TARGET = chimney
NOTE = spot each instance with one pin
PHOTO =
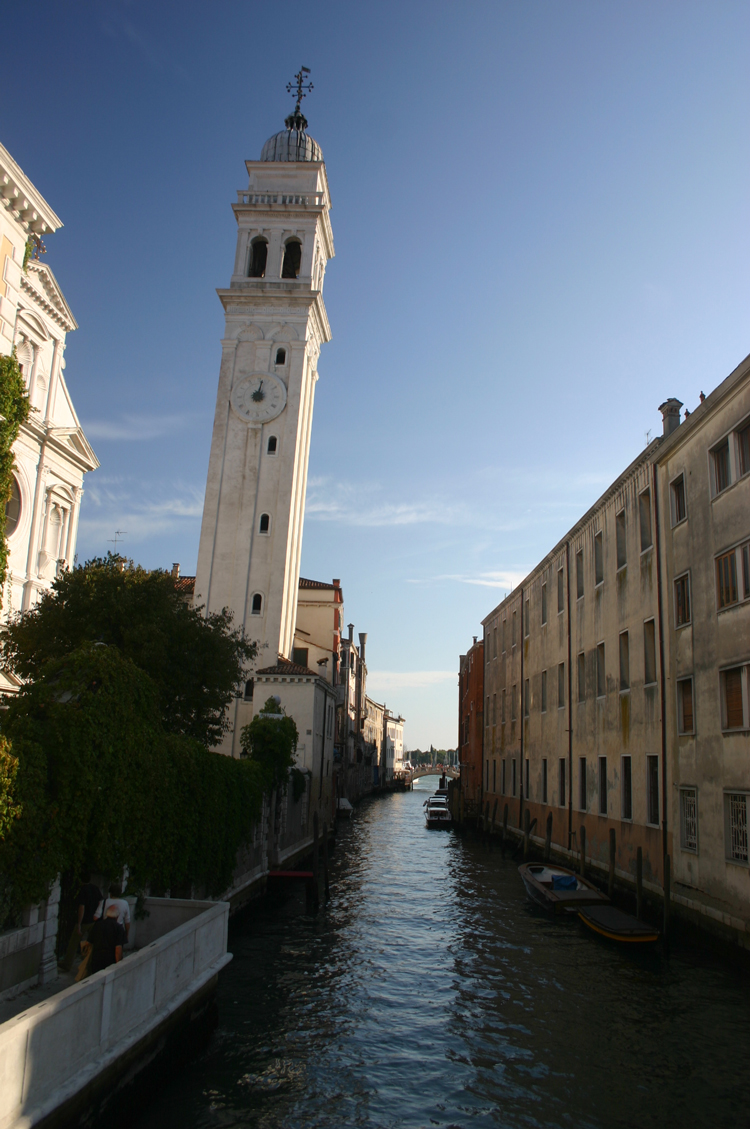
(336, 583)
(362, 645)
(670, 412)
(475, 640)
(351, 632)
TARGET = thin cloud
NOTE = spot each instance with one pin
(503, 579)
(385, 681)
(362, 504)
(106, 508)
(132, 429)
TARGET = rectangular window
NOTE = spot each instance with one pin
(560, 590)
(526, 698)
(561, 686)
(685, 722)
(624, 661)
(689, 819)
(494, 642)
(544, 603)
(502, 709)
(743, 448)
(682, 600)
(494, 709)
(601, 677)
(494, 776)
(652, 790)
(733, 691)
(622, 545)
(513, 705)
(726, 579)
(526, 620)
(300, 655)
(582, 797)
(602, 785)
(644, 511)
(503, 636)
(720, 460)
(579, 573)
(679, 508)
(581, 677)
(561, 781)
(513, 774)
(513, 638)
(526, 781)
(544, 780)
(599, 559)
(544, 691)
(649, 651)
(502, 774)
(626, 784)
(735, 807)
(746, 570)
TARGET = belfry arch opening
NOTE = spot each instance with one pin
(292, 259)
(281, 356)
(273, 444)
(258, 258)
(257, 604)
(265, 523)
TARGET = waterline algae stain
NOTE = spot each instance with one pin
(430, 992)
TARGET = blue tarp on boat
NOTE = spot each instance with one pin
(564, 882)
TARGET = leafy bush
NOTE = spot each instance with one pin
(14, 411)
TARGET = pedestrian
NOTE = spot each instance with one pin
(89, 897)
(123, 909)
(105, 941)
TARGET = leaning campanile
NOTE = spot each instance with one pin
(275, 324)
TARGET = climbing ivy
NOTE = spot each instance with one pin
(14, 411)
(270, 741)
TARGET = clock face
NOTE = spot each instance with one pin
(259, 397)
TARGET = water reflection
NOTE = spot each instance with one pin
(430, 992)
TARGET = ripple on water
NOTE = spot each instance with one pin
(429, 992)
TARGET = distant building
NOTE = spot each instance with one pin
(317, 635)
(393, 745)
(372, 732)
(470, 725)
(52, 454)
(616, 674)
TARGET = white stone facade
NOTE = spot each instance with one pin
(251, 535)
(52, 453)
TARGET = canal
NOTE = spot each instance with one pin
(430, 993)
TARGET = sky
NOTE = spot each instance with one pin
(540, 219)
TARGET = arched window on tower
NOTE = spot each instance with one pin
(292, 259)
(258, 258)
(281, 356)
(265, 523)
(272, 444)
(257, 605)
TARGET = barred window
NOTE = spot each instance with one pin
(685, 705)
(689, 819)
(736, 826)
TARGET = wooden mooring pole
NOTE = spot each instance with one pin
(612, 854)
(525, 834)
(326, 887)
(639, 883)
(313, 887)
(548, 839)
(505, 828)
(583, 851)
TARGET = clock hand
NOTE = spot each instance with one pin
(259, 394)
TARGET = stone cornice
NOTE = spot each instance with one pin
(24, 202)
(47, 295)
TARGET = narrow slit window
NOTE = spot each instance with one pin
(257, 605)
(561, 781)
(513, 775)
(502, 775)
(560, 686)
(281, 356)
(652, 790)
(649, 652)
(720, 458)
(265, 523)
(249, 685)
(526, 698)
(560, 590)
(624, 661)
(601, 678)
(644, 509)
(544, 780)
(544, 691)
(679, 508)
(527, 781)
(682, 600)
(581, 677)
(526, 619)
(602, 785)
(622, 544)
(579, 573)
(599, 559)
(582, 796)
(685, 705)
(626, 783)
(272, 446)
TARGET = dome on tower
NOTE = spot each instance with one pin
(292, 143)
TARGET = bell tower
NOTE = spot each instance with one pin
(275, 324)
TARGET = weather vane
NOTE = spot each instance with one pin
(302, 89)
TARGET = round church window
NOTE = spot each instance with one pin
(13, 508)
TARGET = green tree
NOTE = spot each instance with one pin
(14, 411)
(270, 741)
(195, 661)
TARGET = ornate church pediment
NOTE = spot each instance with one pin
(41, 285)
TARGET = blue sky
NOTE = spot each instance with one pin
(540, 215)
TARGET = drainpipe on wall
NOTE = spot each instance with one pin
(657, 546)
(570, 700)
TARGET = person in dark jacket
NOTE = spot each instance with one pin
(106, 938)
(89, 897)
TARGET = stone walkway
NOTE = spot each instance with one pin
(36, 995)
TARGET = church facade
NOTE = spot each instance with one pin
(52, 454)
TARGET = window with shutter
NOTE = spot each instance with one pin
(726, 579)
(682, 601)
(733, 710)
(743, 443)
(685, 705)
(720, 456)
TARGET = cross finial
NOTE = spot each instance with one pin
(302, 89)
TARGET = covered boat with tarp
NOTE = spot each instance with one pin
(557, 889)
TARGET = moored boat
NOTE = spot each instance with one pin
(613, 923)
(436, 812)
(557, 889)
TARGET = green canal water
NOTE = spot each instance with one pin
(429, 992)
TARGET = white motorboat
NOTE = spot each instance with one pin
(436, 812)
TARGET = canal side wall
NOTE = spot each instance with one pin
(71, 1054)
